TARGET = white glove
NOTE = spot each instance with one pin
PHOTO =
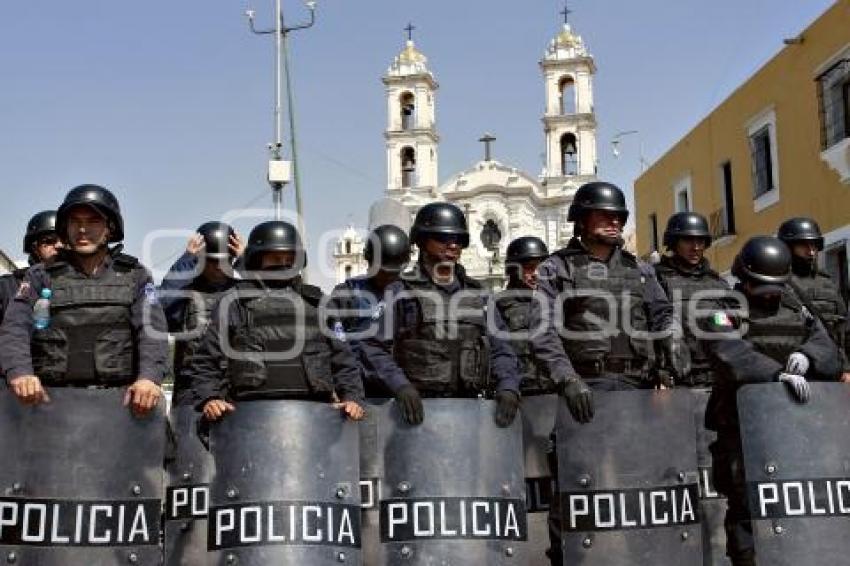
(798, 385)
(797, 364)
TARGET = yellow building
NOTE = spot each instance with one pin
(778, 147)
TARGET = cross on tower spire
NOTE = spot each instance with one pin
(487, 139)
(409, 29)
(566, 12)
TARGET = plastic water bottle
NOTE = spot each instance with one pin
(41, 310)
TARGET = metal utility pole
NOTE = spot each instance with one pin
(280, 170)
(615, 146)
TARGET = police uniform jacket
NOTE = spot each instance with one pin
(187, 302)
(555, 276)
(210, 368)
(759, 357)
(358, 305)
(121, 284)
(384, 350)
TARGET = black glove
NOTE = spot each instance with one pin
(507, 405)
(410, 404)
(676, 357)
(579, 399)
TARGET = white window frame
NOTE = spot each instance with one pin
(683, 185)
(833, 241)
(765, 119)
(836, 156)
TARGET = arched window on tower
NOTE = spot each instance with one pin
(348, 272)
(348, 246)
(408, 166)
(567, 90)
(408, 111)
(569, 154)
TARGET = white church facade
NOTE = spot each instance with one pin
(501, 202)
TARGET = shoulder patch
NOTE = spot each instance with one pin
(339, 331)
(24, 290)
(379, 310)
(721, 320)
(151, 296)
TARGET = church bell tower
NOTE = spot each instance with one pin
(569, 122)
(411, 134)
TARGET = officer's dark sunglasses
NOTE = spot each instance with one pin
(48, 240)
(445, 239)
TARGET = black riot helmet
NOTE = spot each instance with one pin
(800, 229)
(216, 239)
(687, 225)
(39, 225)
(763, 260)
(521, 250)
(97, 197)
(526, 248)
(393, 248)
(597, 195)
(439, 218)
(274, 236)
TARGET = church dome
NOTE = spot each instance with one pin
(567, 38)
(411, 55)
(410, 61)
(566, 45)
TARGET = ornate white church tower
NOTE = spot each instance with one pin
(569, 121)
(411, 134)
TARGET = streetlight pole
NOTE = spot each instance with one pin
(279, 169)
(615, 146)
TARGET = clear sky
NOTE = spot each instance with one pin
(169, 103)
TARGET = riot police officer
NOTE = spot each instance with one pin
(106, 326)
(358, 303)
(783, 342)
(593, 264)
(266, 338)
(690, 284)
(584, 290)
(187, 296)
(435, 342)
(41, 244)
(816, 288)
(523, 256)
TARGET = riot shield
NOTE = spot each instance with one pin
(450, 491)
(285, 486)
(81, 479)
(712, 504)
(797, 462)
(188, 477)
(538, 423)
(627, 481)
